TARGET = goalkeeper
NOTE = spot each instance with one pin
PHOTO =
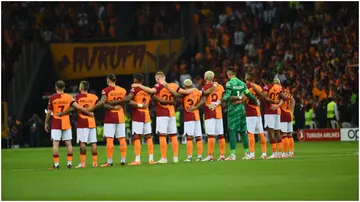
(235, 88)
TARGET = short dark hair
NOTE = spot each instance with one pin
(231, 69)
(268, 76)
(60, 85)
(252, 75)
(85, 85)
(139, 77)
(112, 77)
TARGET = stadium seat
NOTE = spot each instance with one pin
(334, 124)
(346, 125)
(313, 125)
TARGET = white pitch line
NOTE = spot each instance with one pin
(296, 157)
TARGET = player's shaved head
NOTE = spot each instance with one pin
(112, 78)
(60, 85)
(209, 76)
(84, 85)
(139, 78)
(188, 83)
(160, 77)
(160, 74)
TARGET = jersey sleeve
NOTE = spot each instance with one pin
(158, 87)
(105, 92)
(50, 105)
(228, 90)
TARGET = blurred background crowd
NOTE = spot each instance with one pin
(311, 47)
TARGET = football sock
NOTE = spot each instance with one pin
(56, 159)
(69, 158)
(82, 158)
(163, 146)
(94, 157)
(123, 148)
(199, 146)
(175, 145)
(251, 138)
(150, 146)
(232, 140)
(245, 141)
(285, 144)
(189, 145)
(273, 145)
(222, 144)
(263, 143)
(211, 145)
(109, 148)
(291, 144)
(280, 146)
(137, 149)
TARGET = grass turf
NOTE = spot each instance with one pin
(320, 171)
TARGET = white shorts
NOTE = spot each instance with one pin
(116, 130)
(192, 128)
(272, 121)
(214, 127)
(141, 128)
(86, 135)
(254, 124)
(166, 125)
(58, 135)
(286, 127)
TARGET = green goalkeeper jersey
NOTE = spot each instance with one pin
(236, 87)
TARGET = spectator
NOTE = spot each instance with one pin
(14, 131)
(35, 124)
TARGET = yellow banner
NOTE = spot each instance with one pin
(82, 60)
(4, 123)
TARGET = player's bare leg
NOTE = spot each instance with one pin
(222, 145)
(291, 145)
(94, 155)
(251, 139)
(279, 143)
(285, 145)
(211, 145)
(150, 146)
(272, 139)
(123, 148)
(82, 156)
(163, 149)
(137, 150)
(55, 155)
(69, 153)
(175, 147)
(263, 145)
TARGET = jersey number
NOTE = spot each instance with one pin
(86, 106)
(274, 96)
(61, 107)
(238, 93)
(167, 98)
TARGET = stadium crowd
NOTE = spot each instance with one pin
(314, 54)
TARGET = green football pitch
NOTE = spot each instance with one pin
(319, 171)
